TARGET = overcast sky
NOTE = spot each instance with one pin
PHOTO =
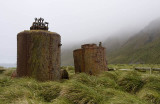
(74, 20)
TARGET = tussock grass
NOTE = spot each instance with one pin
(115, 87)
(121, 97)
(95, 81)
(130, 81)
(151, 89)
(151, 96)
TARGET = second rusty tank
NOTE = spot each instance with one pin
(90, 59)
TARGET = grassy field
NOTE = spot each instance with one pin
(113, 87)
(132, 66)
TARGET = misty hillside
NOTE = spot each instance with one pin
(116, 41)
(128, 46)
(143, 47)
(67, 56)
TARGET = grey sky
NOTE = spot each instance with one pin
(74, 20)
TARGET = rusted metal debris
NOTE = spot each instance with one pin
(90, 59)
(39, 24)
(64, 74)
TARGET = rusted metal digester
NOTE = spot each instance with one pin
(38, 55)
(90, 59)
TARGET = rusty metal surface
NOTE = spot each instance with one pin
(22, 54)
(78, 63)
(90, 59)
(39, 24)
(89, 46)
(38, 55)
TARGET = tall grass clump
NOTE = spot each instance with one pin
(130, 81)
(151, 90)
(49, 92)
(121, 97)
(95, 81)
(79, 93)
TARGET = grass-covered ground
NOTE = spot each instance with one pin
(132, 66)
(113, 87)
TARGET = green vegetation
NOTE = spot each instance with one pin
(113, 87)
(143, 47)
(132, 66)
(132, 51)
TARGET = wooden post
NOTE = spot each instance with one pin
(150, 70)
(38, 55)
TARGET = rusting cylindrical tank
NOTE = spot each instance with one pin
(90, 59)
(38, 55)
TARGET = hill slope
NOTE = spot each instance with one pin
(144, 47)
